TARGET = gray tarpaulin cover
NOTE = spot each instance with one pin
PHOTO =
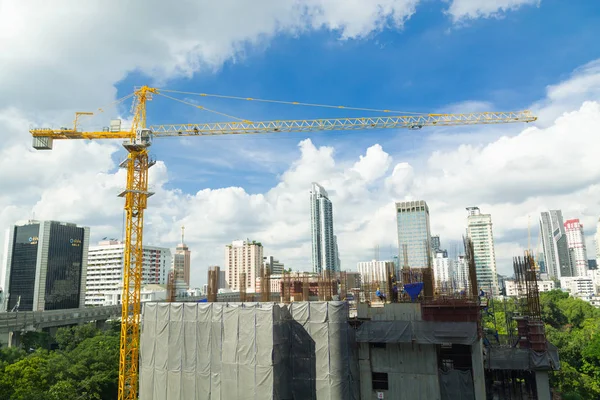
(519, 359)
(421, 332)
(456, 385)
(246, 351)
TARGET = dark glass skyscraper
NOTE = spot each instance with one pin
(45, 266)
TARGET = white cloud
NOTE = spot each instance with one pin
(48, 72)
(63, 55)
(461, 10)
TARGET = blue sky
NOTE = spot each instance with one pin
(442, 56)
(428, 65)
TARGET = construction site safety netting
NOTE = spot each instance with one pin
(303, 350)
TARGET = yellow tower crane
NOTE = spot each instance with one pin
(138, 140)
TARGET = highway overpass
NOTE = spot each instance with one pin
(23, 321)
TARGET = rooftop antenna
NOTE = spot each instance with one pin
(182, 232)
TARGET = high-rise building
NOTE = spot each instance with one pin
(275, 267)
(479, 230)
(461, 273)
(577, 249)
(435, 244)
(414, 234)
(324, 243)
(376, 271)
(181, 265)
(104, 281)
(443, 270)
(338, 263)
(554, 243)
(221, 277)
(243, 256)
(44, 266)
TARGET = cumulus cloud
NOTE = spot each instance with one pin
(461, 10)
(549, 165)
(65, 56)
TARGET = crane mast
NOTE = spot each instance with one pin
(136, 194)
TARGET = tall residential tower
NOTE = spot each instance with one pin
(324, 243)
(414, 233)
(554, 241)
(479, 230)
(577, 249)
(243, 256)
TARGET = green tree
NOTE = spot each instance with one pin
(85, 366)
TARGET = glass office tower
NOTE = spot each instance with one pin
(45, 266)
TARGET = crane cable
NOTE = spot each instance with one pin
(203, 108)
(296, 103)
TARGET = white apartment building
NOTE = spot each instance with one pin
(243, 256)
(147, 293)
(512, 287)
(595, 275)
(104, 281)
(375, 271)
(479, 229)
(443, 270)
(577, 249)
(578, 286)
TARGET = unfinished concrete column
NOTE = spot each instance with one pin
(542, 384)
(478, 372)
(14, 339)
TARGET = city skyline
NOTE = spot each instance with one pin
(454, 256)
(255, 185)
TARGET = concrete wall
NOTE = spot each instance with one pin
(390, 312)
(412, 371)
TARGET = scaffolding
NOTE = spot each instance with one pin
(265, 284)
(213, 277)
(243, 284)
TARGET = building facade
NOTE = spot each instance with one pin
(443, 271)
(414, 235)
(324, 243)
(435, 244)
(512, 288)
(275, 267)
(479, 230)
(243, 256)
(221, 277)
(376, 271)
(461, 273)
(104, 282)
(577, 248)
(578, 286)
(557, 259)
(45, 264)
(181, 265)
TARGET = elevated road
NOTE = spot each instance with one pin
(35, 320)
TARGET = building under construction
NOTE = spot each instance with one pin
(316, 339)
